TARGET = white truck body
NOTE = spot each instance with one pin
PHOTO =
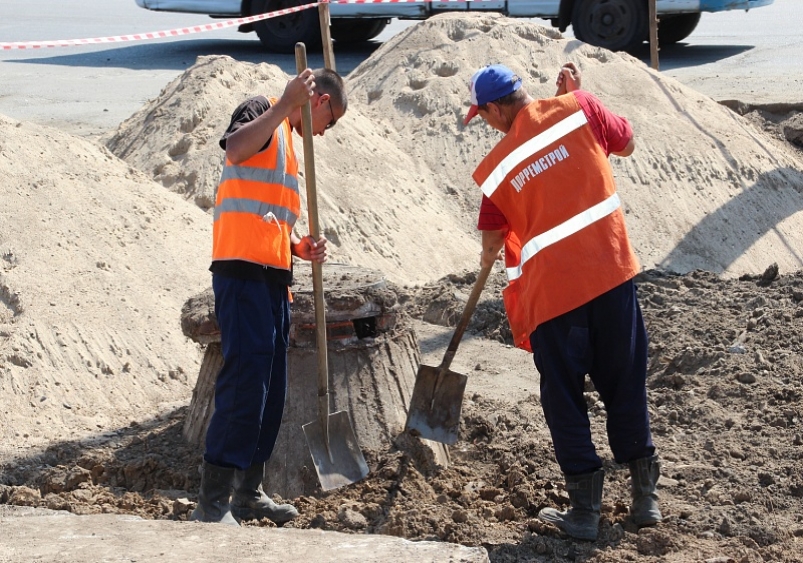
(614, 24)
(546, 9)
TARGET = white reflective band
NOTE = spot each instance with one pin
(531, 147)
(565, 229)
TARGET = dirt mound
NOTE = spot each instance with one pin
(97, 261)
(442, 302)
(370, 192)
(782, 121)
(725, 386)
(704, 190)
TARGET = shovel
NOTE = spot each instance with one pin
(438, 392)
(330, 439)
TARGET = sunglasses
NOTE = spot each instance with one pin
(331, 123)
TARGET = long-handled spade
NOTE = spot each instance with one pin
(330, 439)
(438, 391)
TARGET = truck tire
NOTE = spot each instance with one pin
(672, 29)
(353, 30)
(618, 25)
(281, 34)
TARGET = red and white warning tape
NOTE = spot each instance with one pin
(198, 28)
(153, 34)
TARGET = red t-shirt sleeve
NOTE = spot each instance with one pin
(612, 131)
(491, 219)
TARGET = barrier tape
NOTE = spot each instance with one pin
(153, 34)
(202, 28)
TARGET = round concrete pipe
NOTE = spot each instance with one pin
(373, 358)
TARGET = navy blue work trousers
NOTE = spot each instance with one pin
(605, 339)
(251, 388)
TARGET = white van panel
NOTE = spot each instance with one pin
(211, 7)
(398, 10)
(533, 8)
(498, 6)
(669, 6)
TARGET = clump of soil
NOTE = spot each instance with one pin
(783, 122)
(725, 392)
(442, 303)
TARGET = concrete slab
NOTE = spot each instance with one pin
(60, 537)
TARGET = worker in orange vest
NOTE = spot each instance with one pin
(550, 202)
(256, 207)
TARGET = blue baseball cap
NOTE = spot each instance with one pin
(489, 84)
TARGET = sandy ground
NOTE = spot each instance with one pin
(103, 243)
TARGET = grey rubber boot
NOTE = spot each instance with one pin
(581, 521)
(213, 499)
(644, 474)
(251, 503)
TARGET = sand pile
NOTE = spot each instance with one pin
(375, 200)
(97, 261)
(703, 190)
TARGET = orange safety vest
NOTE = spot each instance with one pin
(567, 243)
(257, 204)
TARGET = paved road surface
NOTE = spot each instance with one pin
(44, 535)
(754, 57)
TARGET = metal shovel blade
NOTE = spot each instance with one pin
(435, 406)
(346, 464)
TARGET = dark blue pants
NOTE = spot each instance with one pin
(605, 339)
(251, 388)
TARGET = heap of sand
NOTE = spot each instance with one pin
(704, 189)
(97, 258)
(96, 262)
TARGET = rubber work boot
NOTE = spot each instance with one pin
(581, 521)
(213, 499)
(644, 474)
(251, 503)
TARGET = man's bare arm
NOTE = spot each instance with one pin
(492, 244)
(251, 137)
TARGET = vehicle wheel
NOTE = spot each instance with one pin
(281, 34)
(353, 30)
(672, 29)
(618, 25)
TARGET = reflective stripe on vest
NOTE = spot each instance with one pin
(258, 204)
(560, 232)
(265, 210)
(528, 149)
(264, 176)
(514, 160)
(567, 242)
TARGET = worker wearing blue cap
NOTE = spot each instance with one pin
(550, 201)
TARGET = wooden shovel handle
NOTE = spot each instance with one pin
(482, 277)
(314, 229)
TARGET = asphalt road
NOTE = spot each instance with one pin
(754, 57)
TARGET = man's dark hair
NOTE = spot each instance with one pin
(328, 81)
(508, 99)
